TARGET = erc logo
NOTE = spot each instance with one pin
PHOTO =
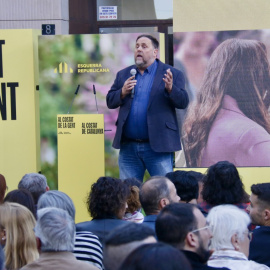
(63, 68)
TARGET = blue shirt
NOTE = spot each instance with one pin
(136, 124)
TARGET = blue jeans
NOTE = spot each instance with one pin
(135, 158)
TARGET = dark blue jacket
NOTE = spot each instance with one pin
(150, 221)
(259, 246)
(161, 116)
(100, 227)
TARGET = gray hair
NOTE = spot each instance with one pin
(55, 229)
(227, 220)
(58, 199)
(35, 183)
(152, 191)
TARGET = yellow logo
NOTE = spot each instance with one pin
(63, 68)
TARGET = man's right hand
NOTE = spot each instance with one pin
(128, 86)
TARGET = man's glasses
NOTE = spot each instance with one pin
(209, 227)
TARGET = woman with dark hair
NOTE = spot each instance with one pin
(106, 203)
(23, 197)
(222, 185)
(230, 119)
(158, 256)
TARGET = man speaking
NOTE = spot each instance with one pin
(147, 93)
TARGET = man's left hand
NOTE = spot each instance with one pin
(168, 79)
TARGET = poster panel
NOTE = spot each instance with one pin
(19, 109)
(228, 82)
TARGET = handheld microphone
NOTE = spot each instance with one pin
(133, 73)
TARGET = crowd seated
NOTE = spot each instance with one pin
(184, 220)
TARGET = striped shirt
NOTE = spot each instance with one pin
(88, 248)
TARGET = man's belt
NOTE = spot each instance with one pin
(136, 140)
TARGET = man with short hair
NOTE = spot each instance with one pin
(123, 240)
(35, 183)
(155, 194)
(186, 185)
(147, 130)
(259, 211)
(184, 227)
(55, 231)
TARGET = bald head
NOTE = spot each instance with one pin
(156, 193)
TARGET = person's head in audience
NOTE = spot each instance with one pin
(89, 246)
(35, 183)
(57, 199)
(123, 240)
(259, 208)
(55, 230)
(158, 256)
(108, 198)
(223, 184)
(23, 197)
(133, 200)
(229, 225)
(17, 235)
(184, 227)
(3, 188)
(186, 184)
(200, 178)
(2, 259)
(156, 193)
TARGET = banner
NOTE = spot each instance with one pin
(19, 105)
(80, 139)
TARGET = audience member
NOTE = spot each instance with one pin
(200, 178)
(106, 203)
(123, 240)
(133, 213)
(158, 256)
(231, 238)
(134, 205)
(3, 188)
(87, 246)
(223, 185)
(17, 235)
(55, 231)
(184, 227)
(23, 197)
(35, 183)
(186, 185)
(155, 194)
(259, 211)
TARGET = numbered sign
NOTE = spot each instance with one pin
(48, 29)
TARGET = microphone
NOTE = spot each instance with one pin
(76, 92)
(94, 90)
(133, 73)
